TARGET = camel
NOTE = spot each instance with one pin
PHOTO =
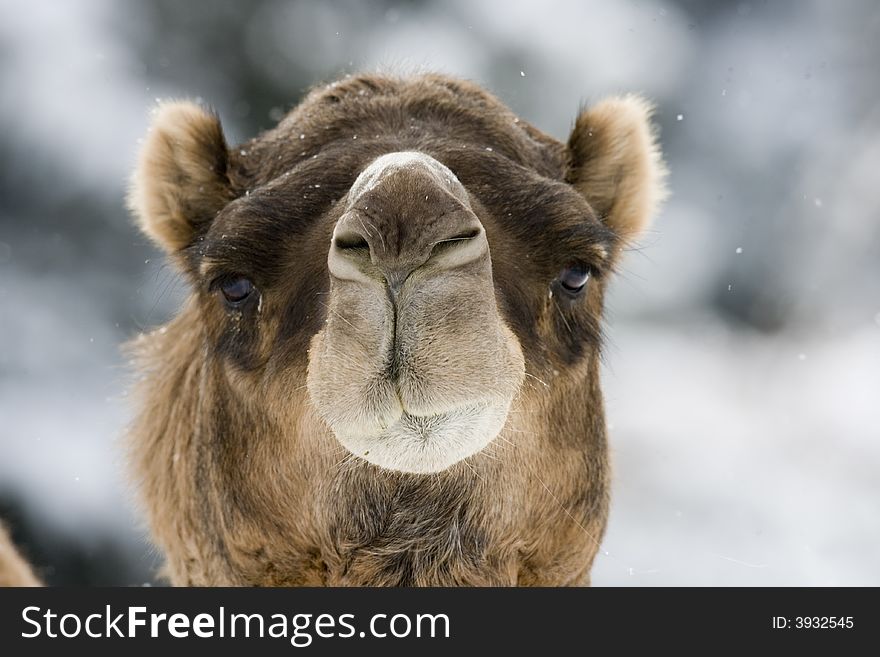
(387, 372)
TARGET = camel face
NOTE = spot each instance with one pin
(388, 369)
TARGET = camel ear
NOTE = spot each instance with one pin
(616, 164)
(180, 181)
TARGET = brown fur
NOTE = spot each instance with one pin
(181, 181)
(626, 184)
(14, 570)
(242, 477)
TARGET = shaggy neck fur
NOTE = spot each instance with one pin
(247, 499)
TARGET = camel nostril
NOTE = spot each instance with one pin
(466, 235)
(350, 242)
(350, 254)
(469, 234)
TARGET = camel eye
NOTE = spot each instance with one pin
(574, 278)
(236, 289)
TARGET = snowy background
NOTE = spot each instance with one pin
(743, 373)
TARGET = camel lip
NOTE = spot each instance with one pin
(429, 443)
(423, 425)
(421, 420)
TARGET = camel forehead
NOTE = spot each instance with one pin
(418, 165)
